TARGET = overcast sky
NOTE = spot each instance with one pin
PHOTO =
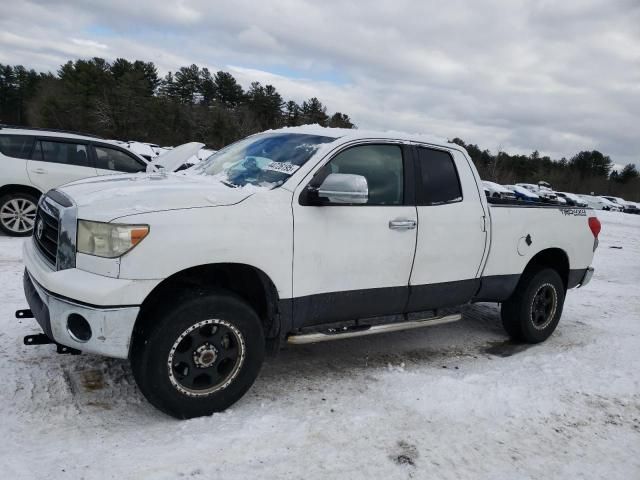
(556, 75)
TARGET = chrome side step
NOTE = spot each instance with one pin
(361, 330)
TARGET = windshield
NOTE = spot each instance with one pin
(265, 160)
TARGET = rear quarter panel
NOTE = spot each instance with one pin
(548, 227)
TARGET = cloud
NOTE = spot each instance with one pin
(89, 43)
(510, 74)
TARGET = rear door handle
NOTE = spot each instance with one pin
(402, 224)
(39, 170)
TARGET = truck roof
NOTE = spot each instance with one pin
(355, 134)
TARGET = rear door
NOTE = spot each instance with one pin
(56, 161)
(109, 160)
(452, 235)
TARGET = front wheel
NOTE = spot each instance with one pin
(533, 311)
(200, 356)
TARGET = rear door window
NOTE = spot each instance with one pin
(17, 146)
(65, 153)
(438, 181)
(117, 160)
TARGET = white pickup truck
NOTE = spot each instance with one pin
(290, 236)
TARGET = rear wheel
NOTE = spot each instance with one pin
(533, 311)
(201, 356)
(18, 214)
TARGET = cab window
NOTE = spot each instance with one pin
(438, 181)
(381, 165)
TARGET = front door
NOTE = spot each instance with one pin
(354, 261)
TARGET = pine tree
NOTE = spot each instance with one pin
(314, 112)
(340, 120)
(187, 84)
(227, 91)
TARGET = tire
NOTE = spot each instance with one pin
(533, 311)
(194, 337)
(18, 213)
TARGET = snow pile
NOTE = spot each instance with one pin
(452, 401)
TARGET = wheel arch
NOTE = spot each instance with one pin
(554, 258)
(248, 282)
(19, 188)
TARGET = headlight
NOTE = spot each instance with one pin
(109, 240)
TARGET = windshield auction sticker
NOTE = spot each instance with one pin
(282, 167)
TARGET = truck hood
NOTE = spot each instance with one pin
(111, 196)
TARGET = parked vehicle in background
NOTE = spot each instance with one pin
(631, 207)
(179, 158)
(627, 207)
(205, 153)
(151, 152)
(495, 190)
(34, 161)
(613, 206)
(572, 199)
(600, 203)
(148, 151)
(523, 194)
(561, 200)
(544, 193)
(297, 235)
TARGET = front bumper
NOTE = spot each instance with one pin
(111, 328)
(109, 305)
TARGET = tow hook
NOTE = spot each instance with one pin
(43, 339)
(24, 313)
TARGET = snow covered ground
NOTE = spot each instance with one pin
(453, 401)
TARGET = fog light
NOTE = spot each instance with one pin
(78, 328)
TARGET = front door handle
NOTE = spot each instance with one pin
(402, 224)
(39, 170)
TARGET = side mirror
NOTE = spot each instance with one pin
(343, 188)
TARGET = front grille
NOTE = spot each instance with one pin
(46, 237)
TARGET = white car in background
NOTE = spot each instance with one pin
(572, 199)
(495, 190)
(613, 206)
(627, 207)
(37, 160)
(600, 203)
